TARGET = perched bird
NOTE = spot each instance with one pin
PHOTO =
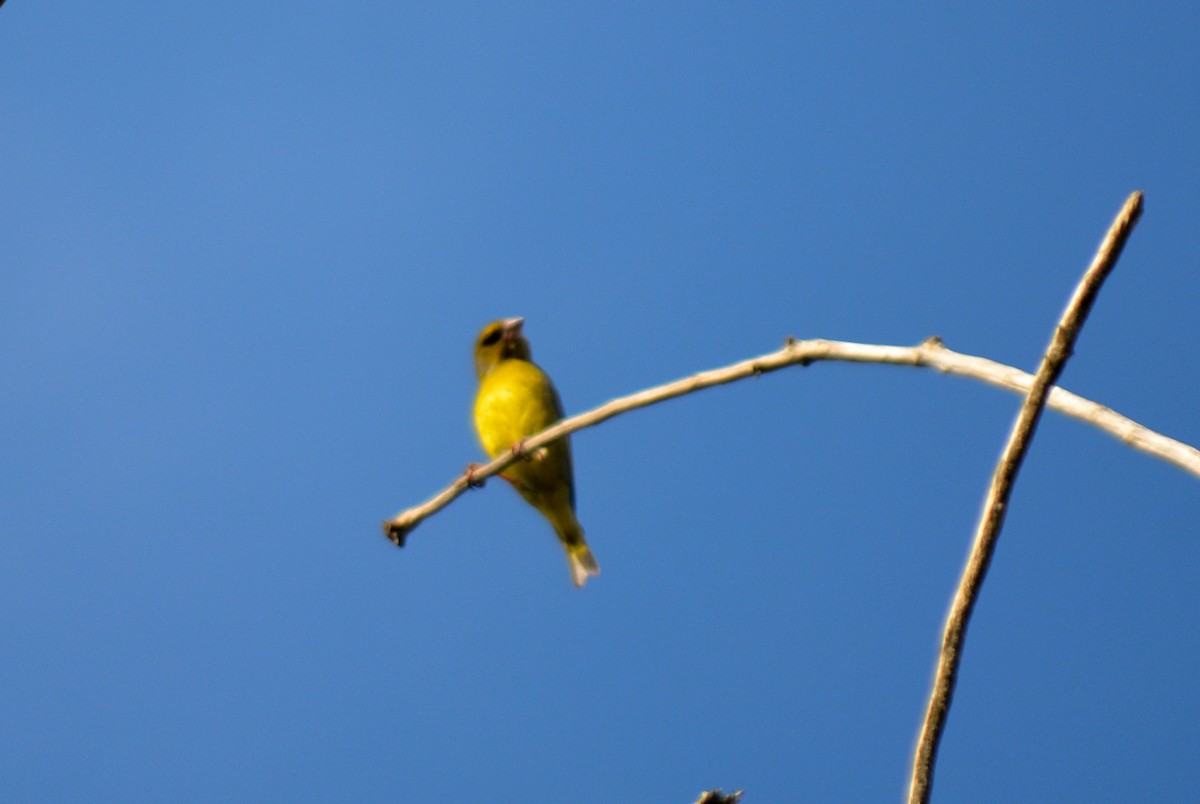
(517, 400)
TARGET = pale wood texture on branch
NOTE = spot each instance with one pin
(996, 503)
(930, 354)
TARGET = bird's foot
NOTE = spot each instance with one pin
(539, 454)
(472, 483)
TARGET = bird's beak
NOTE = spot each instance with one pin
(512, 328)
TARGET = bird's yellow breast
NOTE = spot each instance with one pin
(515, 400)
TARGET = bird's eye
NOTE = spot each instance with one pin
(491, 338)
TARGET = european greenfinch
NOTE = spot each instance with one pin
(517, 400)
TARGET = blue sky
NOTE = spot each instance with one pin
(246, 248)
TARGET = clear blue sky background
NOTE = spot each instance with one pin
(246, 247)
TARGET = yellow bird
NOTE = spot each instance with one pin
(517, 400)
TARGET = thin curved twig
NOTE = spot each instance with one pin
(996, 504)
(930, 354)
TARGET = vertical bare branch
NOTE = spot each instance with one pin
(996, 503)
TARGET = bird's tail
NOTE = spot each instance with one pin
(583, 563)
(579, 555)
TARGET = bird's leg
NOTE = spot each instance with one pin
(472, 483)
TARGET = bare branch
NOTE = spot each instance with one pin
(930, 354)
(996, 504)
(1126, 430)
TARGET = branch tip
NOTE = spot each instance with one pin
(396, 532)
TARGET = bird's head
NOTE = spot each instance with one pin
(500, 340)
